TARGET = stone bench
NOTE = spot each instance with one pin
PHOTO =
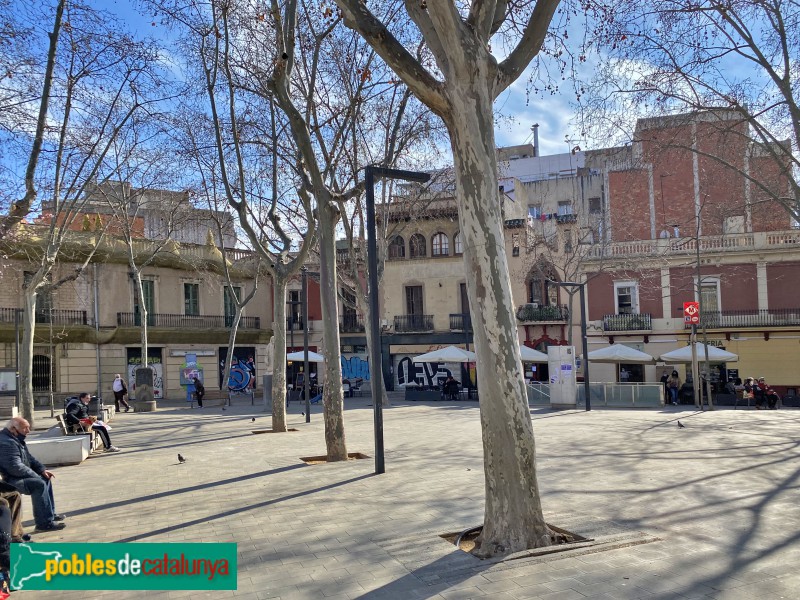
(64, 450)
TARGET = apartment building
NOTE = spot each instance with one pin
(91, 326)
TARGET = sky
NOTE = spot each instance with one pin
(516, 110)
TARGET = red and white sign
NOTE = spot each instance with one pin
(691, 313)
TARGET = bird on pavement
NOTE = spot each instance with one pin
(302, 414)
(181, 460)
(253, 420)
(681, 425)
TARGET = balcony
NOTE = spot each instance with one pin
(56, 317)
(631, 322)
(533, 313)
(351, 324)
(775, 317)
(295, 324)
(129, 319)
(413, 323)
(460, 322)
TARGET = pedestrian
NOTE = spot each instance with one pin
(120, 390)
(27, 475)
(674, 385)
(665, 383)
(199, 391)
(624, 376)
(76, 414)
(768, 394)
(251, 368)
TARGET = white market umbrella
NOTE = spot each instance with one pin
(619, 353)
(300, 356)
(530, 355)
(450, 354)
(715, 355)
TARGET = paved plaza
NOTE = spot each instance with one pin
(708, 511)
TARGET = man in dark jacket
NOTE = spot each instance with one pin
(79, 409)
(199, 391)
(27, 475)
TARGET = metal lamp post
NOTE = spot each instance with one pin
(370, 173)
(581, 287)
(307, 376)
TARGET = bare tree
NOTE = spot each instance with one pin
(734, 62)
(76, 133)
(469, 78)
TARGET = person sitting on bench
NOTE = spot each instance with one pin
(77, 416)
(11, 498)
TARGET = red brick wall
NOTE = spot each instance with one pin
(782, 285)
(629, 205)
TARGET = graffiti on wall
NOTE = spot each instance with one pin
(421, 373)
(355, 366)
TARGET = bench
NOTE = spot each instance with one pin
(66, 430)
(213, 395)
(66, 450)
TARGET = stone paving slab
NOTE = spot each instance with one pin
(709, 511)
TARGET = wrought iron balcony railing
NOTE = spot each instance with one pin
(534, 313)
(413, 323)
(460, 322)
(351, 324)
(129, 319)
(294, 324)
(773, 317)
(628, 322)
(56, 317)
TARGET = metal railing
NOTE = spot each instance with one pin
(294, 324)
(460, 322)
(628, 322)
(351, 324)
(773, 317)
(413, 323)
(56, 317)
(632, 395)
(129, 319)
(533, 312)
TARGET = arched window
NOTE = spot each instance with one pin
(397, 247)
(440, 245)
(457, 247)
(417, 246)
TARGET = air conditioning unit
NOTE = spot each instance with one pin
(384, 323)
(534, 304)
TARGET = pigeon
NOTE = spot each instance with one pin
(181, 460)
(302, 414)
(224, 408)
(253, 420)
(681, 425)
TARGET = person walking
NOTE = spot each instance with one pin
(674, 386)
(665, 383)
(27, 475)
(120, 390)
(199, 391)
(76, 414)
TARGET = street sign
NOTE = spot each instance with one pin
(691, 313)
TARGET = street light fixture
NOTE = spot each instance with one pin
(581, 287)
(370, 173)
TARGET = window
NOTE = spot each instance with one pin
(191, 299)
(397, 247)
(440, 245)
(595, 206)
(44, 298)
(534, 211)
(414, 300)
(295, 310)
(458, 248)
(417, 246)
(626, 297)
(709, 295)
(149, 291)
(515, 244)
(229, 296)
(542, 290)
(564, 208)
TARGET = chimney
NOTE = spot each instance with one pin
(535, 129)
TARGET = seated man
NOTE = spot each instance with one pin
(450, 388)
(77, 416)
(10, 498)
(27, 475)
